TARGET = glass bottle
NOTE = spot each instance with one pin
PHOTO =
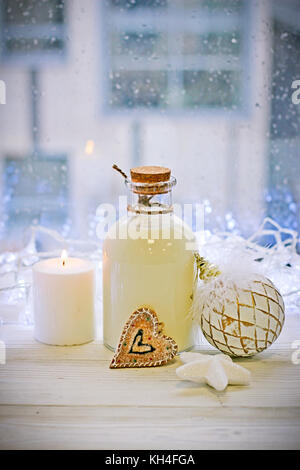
(146, 261)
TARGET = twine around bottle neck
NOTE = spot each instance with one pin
(150, 210)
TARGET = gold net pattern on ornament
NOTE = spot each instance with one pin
(230, 330)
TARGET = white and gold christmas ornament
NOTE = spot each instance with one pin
(216, 370)
(240, 313)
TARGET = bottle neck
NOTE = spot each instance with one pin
(150, 204)
(150, 199)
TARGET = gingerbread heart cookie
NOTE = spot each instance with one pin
(142, 343)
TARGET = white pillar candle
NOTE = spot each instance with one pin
(63, 301)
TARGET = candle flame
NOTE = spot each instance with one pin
(64, 257)
(89, 147)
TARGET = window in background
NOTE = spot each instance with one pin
(204, 61)
(284, 195)
(36, 192)
(176, 55)
(32, 30)
(35, 186)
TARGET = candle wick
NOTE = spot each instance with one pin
(64, 257)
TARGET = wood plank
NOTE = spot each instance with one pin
(92, 383)
(275, 382)
(55, 397)
(148, 428)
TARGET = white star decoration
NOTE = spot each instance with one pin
(217, 370)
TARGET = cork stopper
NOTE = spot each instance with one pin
(150, 174)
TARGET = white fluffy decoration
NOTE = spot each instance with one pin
(218, 370)
(240, 311)
(279, 262)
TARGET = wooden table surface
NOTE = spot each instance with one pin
(68, 398)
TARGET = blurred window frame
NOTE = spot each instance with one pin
(171, 19)
(33, 32)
